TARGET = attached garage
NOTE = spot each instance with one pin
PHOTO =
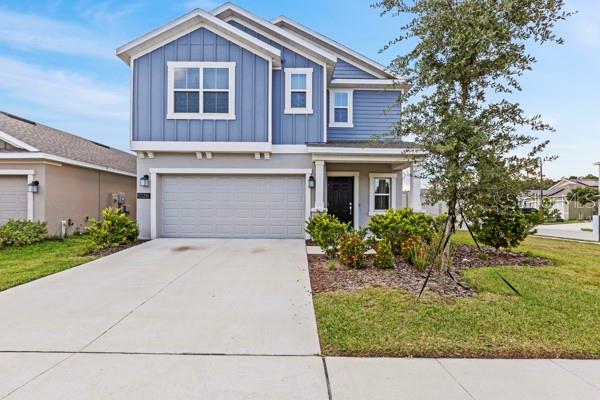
(231, 206)
(13, 197)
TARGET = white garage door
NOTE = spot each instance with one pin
(253, 206)
(13, 198)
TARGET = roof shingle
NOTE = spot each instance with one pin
(58, 143)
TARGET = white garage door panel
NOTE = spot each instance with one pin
(13, 198)
(232, 206)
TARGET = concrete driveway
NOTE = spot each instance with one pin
(226, 320)
(568, 231)
(191, 300)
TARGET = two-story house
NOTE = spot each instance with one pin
(244, 127)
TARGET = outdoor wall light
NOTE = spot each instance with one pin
(145, 181)
(33, 187)
(311, 182)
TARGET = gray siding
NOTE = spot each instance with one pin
(294, 129)
(375, 113)
(150, 92)
(344, 70)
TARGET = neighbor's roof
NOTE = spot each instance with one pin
(33, 136)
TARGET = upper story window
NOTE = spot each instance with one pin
(201, 90)
(298, 91)
(340, 108)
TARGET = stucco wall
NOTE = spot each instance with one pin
(175, 160)
(79, 194)
(364, 170)
(304, 161)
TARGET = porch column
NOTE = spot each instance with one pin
(320, 186)
(414, 196)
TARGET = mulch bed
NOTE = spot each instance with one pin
(111, 250)
(404, 276)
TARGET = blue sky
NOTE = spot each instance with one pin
(57, 64)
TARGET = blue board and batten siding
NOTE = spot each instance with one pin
(375, 114)
(150, 121)
(344, 70)
(294, 128)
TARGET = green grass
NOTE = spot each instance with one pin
(23, 264)
(558, 314)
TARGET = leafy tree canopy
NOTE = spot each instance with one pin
(584, 195)
(465, 64)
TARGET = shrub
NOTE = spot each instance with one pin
(326, 230)
(384, 258)
(415, 252)
(398, 225)
(503, 227)
(21, 233)
(352, 248)
(113, 229)
(331, 264)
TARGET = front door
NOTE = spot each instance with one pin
(340, 195)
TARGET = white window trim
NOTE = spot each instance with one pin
(171, 114)
(288, 91)
(350, 107)
(394, 178)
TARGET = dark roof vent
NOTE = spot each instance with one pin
(18, 118)
(100, 144)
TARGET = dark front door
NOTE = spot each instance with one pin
(340, 195)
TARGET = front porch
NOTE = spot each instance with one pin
(355, 181)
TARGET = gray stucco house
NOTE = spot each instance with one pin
(245, 127)
(62, 179)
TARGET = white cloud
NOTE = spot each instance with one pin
(33, 32)
(61, 91)
(108, 12)
(586, 23)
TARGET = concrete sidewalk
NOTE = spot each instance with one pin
(91, 376)
(449, 379)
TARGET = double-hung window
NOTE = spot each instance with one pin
(298, 91)
(201, 90)
(381, 193)
(340, 108)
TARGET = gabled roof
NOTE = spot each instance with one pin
(40, 140)
(337, 48)
(230, 10)
(195, 19)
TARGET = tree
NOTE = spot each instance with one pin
(466, 62)
(535, 183)
(584, 196)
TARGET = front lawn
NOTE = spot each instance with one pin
(557, 314)
(23, 264)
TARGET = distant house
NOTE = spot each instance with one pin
(53, 176)
(569, 210)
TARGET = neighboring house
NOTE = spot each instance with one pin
(245, 127)
(438, 208)
(557, 193)
(53, 176)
